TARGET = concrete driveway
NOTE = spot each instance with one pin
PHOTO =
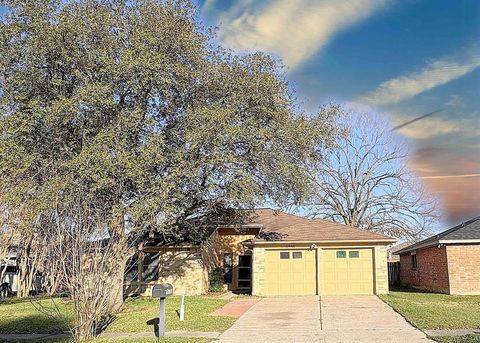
(333, 319)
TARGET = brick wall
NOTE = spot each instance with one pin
(431, 273)
(464, 268)
(258, 272)
(381, 270)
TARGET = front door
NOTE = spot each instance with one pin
(244, 271)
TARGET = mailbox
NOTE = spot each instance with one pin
(161, 291)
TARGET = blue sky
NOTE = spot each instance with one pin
(399, 58)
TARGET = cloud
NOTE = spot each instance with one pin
(433, 127)
(434, 74)
(452, 177)
(292, 29)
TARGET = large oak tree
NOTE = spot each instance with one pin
(129, 113)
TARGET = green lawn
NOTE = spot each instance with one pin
(461, 339)
(21, 316)
(197, 309)
(436, 311)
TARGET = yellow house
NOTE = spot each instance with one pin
(274, 253)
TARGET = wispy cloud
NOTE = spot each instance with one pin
(292, 29)
(433, 127)
(435, 73)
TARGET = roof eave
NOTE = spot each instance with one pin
(459, 241)
(326, 241)
(436, 242)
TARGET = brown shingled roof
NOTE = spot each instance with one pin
(289, 227)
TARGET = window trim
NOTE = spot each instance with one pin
(413, 261)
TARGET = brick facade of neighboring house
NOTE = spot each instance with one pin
(447, 263)
(464, 268)
(431, 272)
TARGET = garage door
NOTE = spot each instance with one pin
(290, 272)
(347, 271)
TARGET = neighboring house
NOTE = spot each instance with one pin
(10, 267)
(448, 262)
(392, 255)
(274, 253)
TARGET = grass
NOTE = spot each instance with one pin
(22, 316)
(197, 309)
(437, 311)
(458, 339)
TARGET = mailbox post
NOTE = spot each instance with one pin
(161, 292)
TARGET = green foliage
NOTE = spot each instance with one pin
(458, 339)
(436, 311)
(215, 278)
(130, 108)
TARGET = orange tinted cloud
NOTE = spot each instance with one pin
(453, 178)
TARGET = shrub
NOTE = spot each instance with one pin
(215, 278)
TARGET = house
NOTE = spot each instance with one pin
(448, 262)
(392, 255)
(273, 253)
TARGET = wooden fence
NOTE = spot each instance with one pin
(393, 273)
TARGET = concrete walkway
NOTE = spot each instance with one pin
(235, 308)
(335, 319)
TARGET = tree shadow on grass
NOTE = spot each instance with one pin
(33, 323)
(411, 290)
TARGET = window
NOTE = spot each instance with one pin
(414, 261)
(131, 271)
(227, 267)
(284, 255)
(296, 254)
(341, 254)
(150, 266)
(354, 254)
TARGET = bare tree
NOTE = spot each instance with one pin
(90, 261)
(364, 181)
(6, 242)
